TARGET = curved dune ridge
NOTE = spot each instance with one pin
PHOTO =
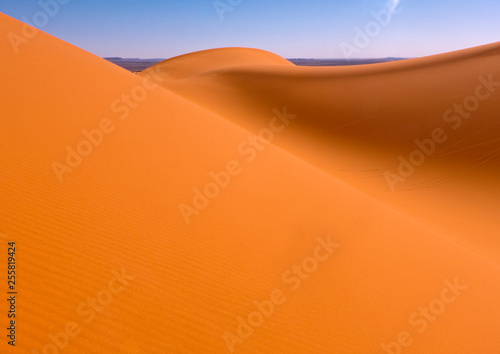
(228, 201)
(206, 61)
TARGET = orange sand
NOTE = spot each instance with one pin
(303, 246)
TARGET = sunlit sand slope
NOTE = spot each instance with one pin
(148, 222)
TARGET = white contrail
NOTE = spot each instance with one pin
(393, 4)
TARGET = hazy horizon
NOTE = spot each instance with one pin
(317, 29)
(304, 58)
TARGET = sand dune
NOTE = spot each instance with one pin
(149, 219)
(356, 123)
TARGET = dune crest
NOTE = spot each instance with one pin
(203, 62)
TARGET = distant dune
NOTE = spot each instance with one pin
(229, 201)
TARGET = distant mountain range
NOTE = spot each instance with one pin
(137, 64)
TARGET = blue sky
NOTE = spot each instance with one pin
(292, 29)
